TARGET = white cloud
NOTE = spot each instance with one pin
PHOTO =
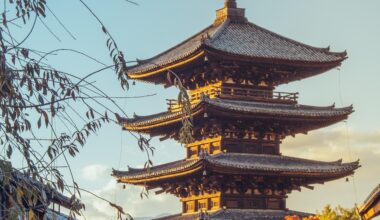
(130, 200)
(330, 145)
(95, 172)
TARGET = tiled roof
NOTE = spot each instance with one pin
(52, 195)
(239, 162)
(176, 53)
(254, 109)
(293, 110)
(274, 163)
(250, 40)
(242, 39)
(173, 167)
(240, 214)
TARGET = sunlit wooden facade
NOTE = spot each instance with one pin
(235, 167)
(371, 207)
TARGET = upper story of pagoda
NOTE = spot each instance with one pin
(235, 50)
(230, 70)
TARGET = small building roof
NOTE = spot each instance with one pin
(322, 116)
(52, 195)
(235, 37)
(46, 193)
(371, 206)
(240, 163)
(241, 214)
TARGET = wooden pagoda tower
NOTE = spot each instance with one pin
(234, 168)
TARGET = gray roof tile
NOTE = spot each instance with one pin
(245, 162)
(52, 195)
(250, 40)
(242, 39)
(251, 107)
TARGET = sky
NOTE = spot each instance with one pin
(154, 26)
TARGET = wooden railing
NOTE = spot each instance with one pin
(238, 93)
(258, 95)
(174, 106)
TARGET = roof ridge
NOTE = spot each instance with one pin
(321, 49)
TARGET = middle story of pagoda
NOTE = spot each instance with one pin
(235, 167)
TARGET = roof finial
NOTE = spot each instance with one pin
(230, 4)
(231, 12)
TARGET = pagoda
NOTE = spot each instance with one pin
(234, 168)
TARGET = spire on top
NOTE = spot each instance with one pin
(230, 12)
(230, 4)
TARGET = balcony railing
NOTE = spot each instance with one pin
(258, 95)
(238, 93)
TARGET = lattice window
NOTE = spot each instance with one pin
(215, 203)
(190, 206)
(202, 204)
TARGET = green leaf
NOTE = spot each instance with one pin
(9, 151)
(39, 123)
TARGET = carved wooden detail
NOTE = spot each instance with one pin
(209, 146)
(236, 196)
(241, 73)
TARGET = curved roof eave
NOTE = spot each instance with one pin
(244, 40)
(205, 50)
(241, 163)
(370, 200)
(262, 110)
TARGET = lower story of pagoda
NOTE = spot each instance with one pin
(238, 214)
(229, 184)
(252, 199)
(253, 204)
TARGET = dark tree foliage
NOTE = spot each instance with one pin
(35, 96)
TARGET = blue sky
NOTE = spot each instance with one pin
(153, 26)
